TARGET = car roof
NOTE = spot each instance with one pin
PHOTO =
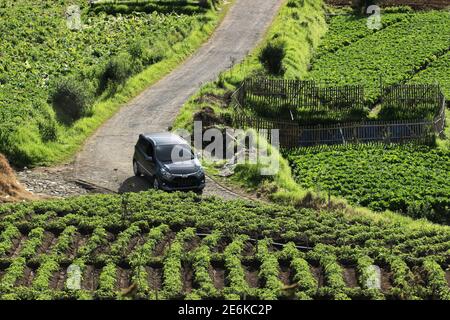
(164, 138)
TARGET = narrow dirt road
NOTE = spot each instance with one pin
(106, 159)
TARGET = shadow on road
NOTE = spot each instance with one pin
(136, 184)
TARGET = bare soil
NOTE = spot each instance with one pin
(251, 276)
(17, 246)
(47, 243)
(249, 250)
(123, 278)
(192, 244)
(217, 273)
(27, 278)
(155, 277)
(163, 245)
(90, 278)
(286, 275)
(317, 272)
(58, 280)
(350, 277)
(188, 278)
(386, 280)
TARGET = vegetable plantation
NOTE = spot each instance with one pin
(410, 179)
(407, 44)
(50, 48)
(168, 246)
(439, 70)
(410, 47)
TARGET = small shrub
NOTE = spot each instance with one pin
(71, 100)
(360, 6)
(207, 4)
(48, 129)
(47, 125)
(115, 72)
(137, 50)
(157, 53)
(399, 9)
(272, 56)
(295, 3)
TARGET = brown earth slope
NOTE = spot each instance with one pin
(10, 189)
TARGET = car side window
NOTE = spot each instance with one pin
(146, 147)
(149, 150)
(141, 144)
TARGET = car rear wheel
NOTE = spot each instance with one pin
(156, 184)
(137, 171)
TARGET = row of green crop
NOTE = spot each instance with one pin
(346, 29)
(356, 239)
(409, 179)
(302, 225)
(395, 53)
(305, 284)
(201, 262)
(438, 71)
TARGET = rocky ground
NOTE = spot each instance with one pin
(51, 182)
(58, 182)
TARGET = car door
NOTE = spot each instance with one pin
(141, 155)
(150, 165)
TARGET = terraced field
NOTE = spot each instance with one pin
(406, 45)
(438, 71)
(172, 246)
(409, 179)
(47, 43)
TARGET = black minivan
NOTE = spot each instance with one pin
(170, 161)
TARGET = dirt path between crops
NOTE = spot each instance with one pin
(106, 159)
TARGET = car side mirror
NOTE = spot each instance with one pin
(149, 159)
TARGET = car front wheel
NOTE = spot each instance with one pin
(156, 184)
(136, 170)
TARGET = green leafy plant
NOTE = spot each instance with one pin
(6, 238)
(436, 280)
(172, 265)
(154, 241)
(408, 178)
(269, 271)
(116, 71)
(236, 275)
(70, 100)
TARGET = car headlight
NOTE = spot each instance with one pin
(165, 174)
(200, 173)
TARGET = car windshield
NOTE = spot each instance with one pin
(174, 153)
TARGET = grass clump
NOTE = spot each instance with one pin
(117, 70)
(272, 56)
(71, 100)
